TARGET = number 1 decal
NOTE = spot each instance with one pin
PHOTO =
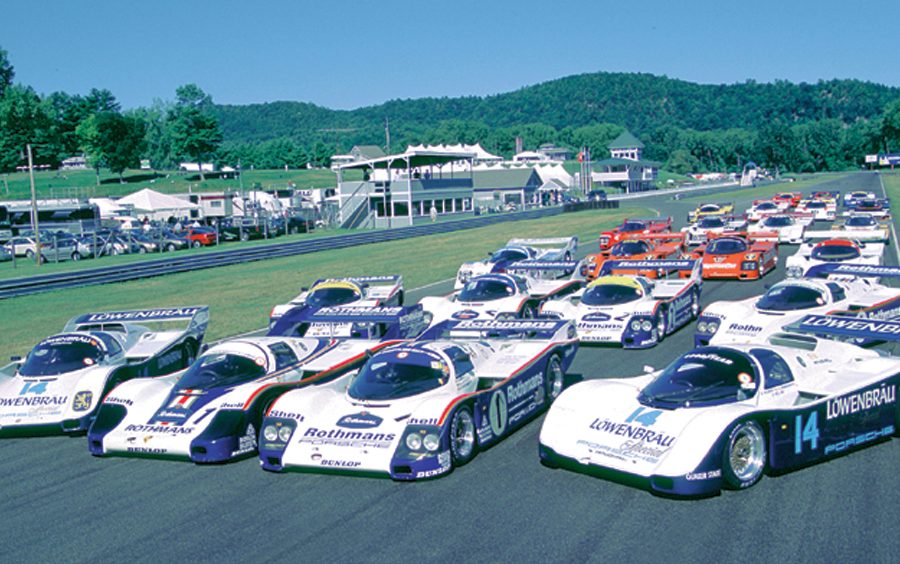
(809, 434)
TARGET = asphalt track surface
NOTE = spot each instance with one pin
(61, 504)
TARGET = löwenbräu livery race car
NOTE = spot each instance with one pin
(517, 250)
(357, 290)
(58, 387)
(419, 410)
(722, 416)
(212, 411)
(633, 311)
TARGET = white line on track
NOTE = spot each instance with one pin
(893, 231)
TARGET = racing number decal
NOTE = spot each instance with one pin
(33, 388)
(810, 432)
(498, 412)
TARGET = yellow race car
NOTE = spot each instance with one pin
(708, 210)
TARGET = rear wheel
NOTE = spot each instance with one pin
(695, 304)
(170, 247)
(76, 256)
(462, 436)
(196, 244)
(245, 236)
(554, 378)
(744, 458)
(142, 250)
(29, 254)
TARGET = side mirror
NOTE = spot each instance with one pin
(204, 347)
(304, 289)
(649, 369)
(16, 358)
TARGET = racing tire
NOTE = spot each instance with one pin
(142, 250)
(528, 312)
(196, 244)
(662, 324)
(170, 247)
(567, 256)
(114, 252)
(245, 236)
(744, 456)
(695, 304)
(554, 378)
(29, 254)
(400, 297)
(76, 256)
(463, 441)
(294, 231)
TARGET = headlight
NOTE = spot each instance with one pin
(794, 272)
(431, 442)
(712, 327)
(284, 433)
(413, 441)
(270, 433)
(751, 256)
(636, 325)
(646, 325)
(701, 327)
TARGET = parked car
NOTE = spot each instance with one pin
(201, 236)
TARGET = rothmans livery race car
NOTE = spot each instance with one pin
(58, 387)
(632, 311)
(764, 208)
(699, 232)
(212, 411)
(837, 247)
(654, 246)
(850, 198)
(745, 256)
(517, 293)
(875, 207)
(419, 410)
(358, 290)
(706, 210)
(634, 226)
(517, 250)
(821, 210)
(787, 228)
(722, 416)
(834, 288)
(867, 224)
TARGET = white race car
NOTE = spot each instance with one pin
(722, 416)
(846, 289)
(365, 291)
(508, 295)
(763, 208)
(698, 232)
(864, 223)
(58, 387)
(632, 311)
(419, 410)
(821, 210)
(850, 198)
(212, 411)
(517, 250)
(835, 247)
(789, 227)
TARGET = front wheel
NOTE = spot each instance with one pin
(142, 250)
(695, 305)
(744, 458)
(554, 378)
(196, 244)
(462, 436)
(662, 324)
(170, 247)
(245, 236)
(76, 256)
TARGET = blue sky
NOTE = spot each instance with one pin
(343, 55)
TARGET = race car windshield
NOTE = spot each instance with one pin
(510, 255)
(326, 297)
(868, 203)
(790, 298)
(631, 226)
(711, 222)
(609, 294)
(629, 248)
(726, 247)
(59, 355)
(221, 370)
(395, 375)
(766, 206)
(835, 253)
(860, 221)
(778, 221)
(815, 205)
(481, 290)
(703, 377)
(709, 209)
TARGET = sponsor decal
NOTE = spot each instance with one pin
(285, 414)
(184, 399)
(744, 328)
(859, 439)
(357, 311)
(362, 420)
(851, 324)
(638, 433)
(340, 463)
(498, 413)
(34, 401)
(346, 438)
(82, 401)
(596, 317)
(708, 356)
(861, 401)
(71, 338)
(518, 324)
(465, 314)
(246, 443)
(692, 476)
(118, 401)
(33, 388)
(147, 450)
(162, 429)
(515, 392)
(422, 421)
(142, 314)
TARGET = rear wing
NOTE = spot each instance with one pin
(856, 270)
(680, 236)
(360, 314)
(869, 235)
(614, 266)
(353, 321)
(855, 328)
(387, 280)
(481, 329)
(566, 243)
(197, 318)
(544, 268)
(748, 235)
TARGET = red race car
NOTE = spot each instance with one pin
(791, 198)
(631, 227)
(650, 246)
(741, 255)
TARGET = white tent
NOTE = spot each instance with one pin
(108, 207)
(556, 172)
(156, 204)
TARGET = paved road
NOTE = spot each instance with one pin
(60, 504)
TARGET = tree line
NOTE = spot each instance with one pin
(687, 127)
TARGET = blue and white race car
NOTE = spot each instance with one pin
(851, 198)
(632, 311)
(519, 292)
(722, 416)
(356, 290)
(418, 410)
(58, 387)
(517, 250)
(833, 288)
(826, 247)
(212, 411)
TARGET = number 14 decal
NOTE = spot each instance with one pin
(810, 432)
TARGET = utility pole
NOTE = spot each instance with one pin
(34, 210)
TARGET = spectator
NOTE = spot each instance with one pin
(433, 213)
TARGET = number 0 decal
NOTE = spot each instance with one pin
(498, 412)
